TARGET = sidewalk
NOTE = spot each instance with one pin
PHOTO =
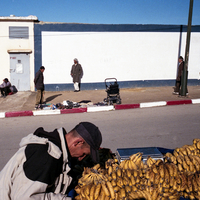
(25, 101)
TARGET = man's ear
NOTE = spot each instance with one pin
(78, 141)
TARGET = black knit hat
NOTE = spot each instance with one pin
(91, 134)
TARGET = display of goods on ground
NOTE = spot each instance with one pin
(175, 176)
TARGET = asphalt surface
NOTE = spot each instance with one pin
(25, 101)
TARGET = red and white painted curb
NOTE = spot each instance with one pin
(97, 108)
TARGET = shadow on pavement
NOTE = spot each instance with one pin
(48, 99)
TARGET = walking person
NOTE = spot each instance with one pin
(39, 85)
(76, 73)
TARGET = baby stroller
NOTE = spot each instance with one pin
(112, 91)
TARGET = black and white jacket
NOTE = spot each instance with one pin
(38, 170)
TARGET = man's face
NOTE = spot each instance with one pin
(42, 70)
(179, 60)
(80, 151)
(75, 62)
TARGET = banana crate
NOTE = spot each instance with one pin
(124, 153)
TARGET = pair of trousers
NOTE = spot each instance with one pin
(178, 87)
(76, 86)
(39, 97)
(5, 91)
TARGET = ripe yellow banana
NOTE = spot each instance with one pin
(105, 189)
(135, 156)
(157, 179)
(154, 168)
(183, 181)
(154, 194)
(120, 182)
(133, 195)
(170, 169)
(180, 168)
(152, 177)
(97, 191)
(158, 162)
(175, 170)
(114, 183)
(114, 175)
(132, 165)
(183, 151)
(180, 159)
(128, 189)
(133, 182)
(161, 171)
(198, 145)
(129, 173)
(122, 193)
(92, 190)
(96, 167)
(116, 188)
(185, 166)
(138, 160)
(87, 189)
(194, 184)
(150, 161)
(176, 154)
(111, 190)
(125, 180)
(195, 162)
(110, 170)
(101, 195)
(119, 172)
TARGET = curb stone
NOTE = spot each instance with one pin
(97, 108)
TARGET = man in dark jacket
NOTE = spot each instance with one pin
(39, 85)
(76, 73)
(179, 75)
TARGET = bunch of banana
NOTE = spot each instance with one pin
(134, 162)
(178, 175)
(93, 175)
(187, 163)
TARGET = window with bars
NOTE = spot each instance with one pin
(18, 32)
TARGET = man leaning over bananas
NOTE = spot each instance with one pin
(39, 169)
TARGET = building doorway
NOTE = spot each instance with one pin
(20, 71)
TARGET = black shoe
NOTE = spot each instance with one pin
(76, 90)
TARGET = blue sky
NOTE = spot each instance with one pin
(105, 11)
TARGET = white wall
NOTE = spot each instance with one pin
(123, 55)
(17, 44)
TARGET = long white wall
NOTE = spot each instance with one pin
(127, 56)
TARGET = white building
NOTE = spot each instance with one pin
(17, 51)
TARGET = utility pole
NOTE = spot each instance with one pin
(185, 67)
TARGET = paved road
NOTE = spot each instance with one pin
(169, 127)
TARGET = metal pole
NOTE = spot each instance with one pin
(185, 67)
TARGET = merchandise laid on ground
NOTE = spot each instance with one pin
(150, 173)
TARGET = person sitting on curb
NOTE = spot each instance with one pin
(5, 87)
(39, 169)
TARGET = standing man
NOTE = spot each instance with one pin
(39, 84)
(179, 75)
(76, 73)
